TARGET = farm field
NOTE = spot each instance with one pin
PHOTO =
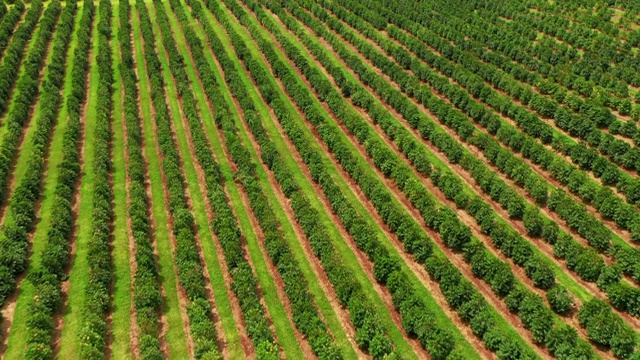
(319, 179)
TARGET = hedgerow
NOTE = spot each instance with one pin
(97, 303)
(225, 225)
(186, 257)
(14, 236)
(47, 279)
(147, 298)
(371, 336)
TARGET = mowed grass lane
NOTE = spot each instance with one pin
(18, 336)
(120, 317)
(198, 209)
(27, 49)
(79, 274)
(275, 309)
(284, 328)
(341, 245)
(175, 336)
(24, 150)
(440, 316)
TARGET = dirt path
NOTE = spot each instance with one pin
(248, 258)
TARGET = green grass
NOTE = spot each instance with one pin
(175, 337)
(282, 324)
(79, 275)
(24, 150)
(18, 335)
(197, 201)
(25, 54)
(343, 248)
(316, 291)
(441, 317)
(120, 318)
(561, 275)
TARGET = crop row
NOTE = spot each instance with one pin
(14, 52)
(497, 274)
(388, 92)
(544, 73)
(187, 259)
(224, 224)
(362, 134)
(97, 302)
(555, 60)
(620, 294)
(14, 240)
(586, 158)
(609, 205)
(147, 298)
(592, 75)
(304, 310)
(545, 64)
(3, 11)
(299, 95)
(370, 335)
(9, 21)
(48, 297)
(451, 185)
(586, 263)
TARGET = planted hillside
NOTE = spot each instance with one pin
(330, 179)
